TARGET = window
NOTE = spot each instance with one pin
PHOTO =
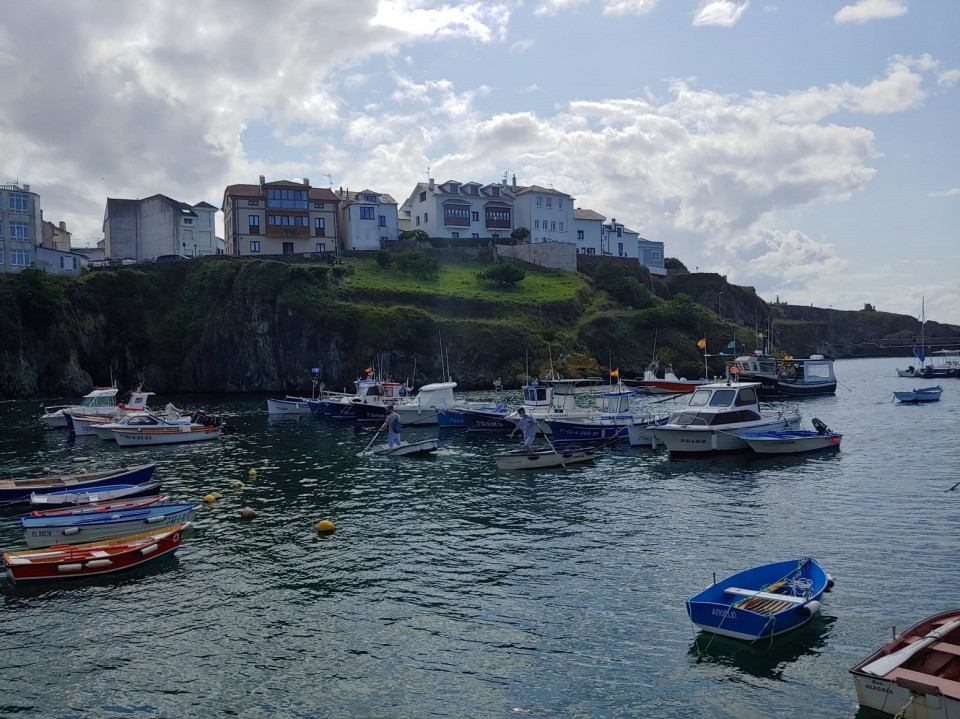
(474, 216)
(319, 227)
(579, 234)
(318, 205)
(384, 240)
(423, 197)
(19, 202)
(426, 218)
(455, 235)
(536, 224)
(619, 232)
(553, 225)
(253, 224)
(475, 235)
(321, 247)
(620, 249)
(370, 198)
(539, 201)
(366, 213)
(382, 221)
(656, 256)
(559, 203)
(1, 257)
(287, 199)
(188, 220)
(561, 227)
(253, 203)
(549, 202)
(254, 245)
(20, 258)
(19, 231)
(418, 220)
(495, 192)
(591, 250)
(68, 263)
(287, 220)
(288, 248)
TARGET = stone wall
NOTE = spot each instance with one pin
(559, 255)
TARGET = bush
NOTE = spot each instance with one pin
(520, 234)
(503, 273)
(384, 260)
(419, 264)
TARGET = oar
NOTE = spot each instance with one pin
(374, 437)
(886, 664)
(562, 463)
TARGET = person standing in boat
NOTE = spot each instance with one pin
(393, 426)
(528, 427)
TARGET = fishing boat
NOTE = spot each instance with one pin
(763, 601)
(406, 449)
(339, 406)
(295, 405)
(669, 383)
(418, 410)
(787, 377)
(794, 441)
(81, 424)
(609, 421)
(104, 493)
(640, 433)
(714, 418)
(93, 558)
(921, 394)
(915, 675)
(146, 419)
(46, 530)
(202, 427)
(18, 490)
(481, 417)
(102, 400)
(542, 459)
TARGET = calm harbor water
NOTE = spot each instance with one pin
(452, 590)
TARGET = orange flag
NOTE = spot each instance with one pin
(702, 344)
(615, 372)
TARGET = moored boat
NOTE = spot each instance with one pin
(610, 421)
(915, 675)
(92, 495)
(794, 441)
(102, 400)
(763, 601)
(714, 418)
(787, 377)
(93, 558)
(542, 459)
(48, 529)
(141, 420)
(18, 490)
(921, 394)
(202, 427)
(82, 424)
(106, 505)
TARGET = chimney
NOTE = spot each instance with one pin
(514, 181)
(26, 188)
(263, 181)
(431, 183)
(306, 181)
(63, 225)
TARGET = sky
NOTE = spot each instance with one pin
(810, 150)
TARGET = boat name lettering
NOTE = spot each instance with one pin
(877, 685)
(683, 440)
(728, 613)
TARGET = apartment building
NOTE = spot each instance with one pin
(588, 231)
(20, 223)
(461, 209)
(280, 218)
(157, 225)
(368, 219)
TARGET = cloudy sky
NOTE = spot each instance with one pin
(808, 149)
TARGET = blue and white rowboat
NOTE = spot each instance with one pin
(45, 531)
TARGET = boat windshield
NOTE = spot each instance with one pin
(722, 397)
(699, 398)
(98, 401)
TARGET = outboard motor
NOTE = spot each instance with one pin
(820, 426)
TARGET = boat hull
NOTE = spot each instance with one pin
(289, 405)
(764, 601)
(18, 491)
(407, 449)
(700, 440)
(103, 493)
(94, 558)
(47, 530)
(596, 431)
(924, 394)
(520, 460)
(171, 435)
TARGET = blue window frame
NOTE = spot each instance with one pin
(366, 212)
(19, 202)
(20, 258)
(254, 245)
(20, 231)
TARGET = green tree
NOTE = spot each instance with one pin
(520, 234)
(503, 273)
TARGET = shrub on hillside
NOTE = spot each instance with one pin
(419, 264)
(503, 273)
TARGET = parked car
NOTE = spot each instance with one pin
(171, 258)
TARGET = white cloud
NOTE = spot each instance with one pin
(945, 193)
(719, 13)
(481, 21)
(609, 7)
(521, 46)
(948, 78)
(868, 10)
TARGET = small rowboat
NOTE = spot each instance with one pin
(72, 497)
(84, 560)
(110, 505)
(406, 449)
(923, 394)
(13, 491)
(47, 530)
(793, 441)
(915, 675)
(543, 459)
(761, 602)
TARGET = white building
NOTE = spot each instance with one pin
(651, 256)
(280, 218)
(588, 231)
(461, 209)
(157, 225)
(368, 220)
(548, 214)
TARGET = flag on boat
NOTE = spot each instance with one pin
(615, 372)
(732, 345)
(918, 353)
(702, 344)
(369, 370)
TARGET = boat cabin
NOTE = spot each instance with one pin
(719, 404)
(808, 371)
(615, 402)
(100, 397)
(759, 363)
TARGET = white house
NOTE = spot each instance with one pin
(368, 219)
(547, 213)
(588, 231)
(651, 256)
(157, 225)
(461, 209)
(619, 241)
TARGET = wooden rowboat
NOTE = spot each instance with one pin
(94, 558)
(103, 493)
(14, 491)
(48, 530)
(406, 449)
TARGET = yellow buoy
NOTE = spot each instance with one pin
(325, 525)
(209, 499)
(252, 473)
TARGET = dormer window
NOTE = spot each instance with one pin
(369, 198)
(495, 191)
(454, 187)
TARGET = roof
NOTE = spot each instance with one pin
(542, 190)
(382, 197)
(581, 214)
(320, 194)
